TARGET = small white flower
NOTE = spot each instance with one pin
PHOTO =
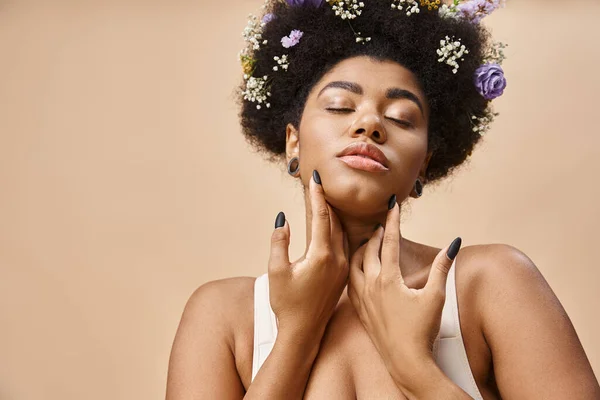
(256, 90)
(281, 62)
(450, 51)
(482, 125)
(412, 6)
(495, 54)
(450, 11)
(253, 32)
(347, 9)
(362, 40)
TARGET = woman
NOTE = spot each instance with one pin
(367, 102)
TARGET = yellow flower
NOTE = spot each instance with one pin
(247, 64)
(431, 4)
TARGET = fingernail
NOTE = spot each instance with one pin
(377, 226)
(363, 242)
(454, 247)
(392, 202)
(280, 220)
(316, 177)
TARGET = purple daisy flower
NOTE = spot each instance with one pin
(268, 18)
(292, 39)
(301, 3)
(490, 81)
(475, 10)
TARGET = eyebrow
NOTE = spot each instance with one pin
(391, 93)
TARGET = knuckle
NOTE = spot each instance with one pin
(390, 240)
(386, 280)
(278, 236)
(343, 264)
(323, 212)
(442, 267)
(322, 256)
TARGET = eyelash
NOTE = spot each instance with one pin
(344, 110)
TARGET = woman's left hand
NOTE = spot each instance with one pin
(402, 322)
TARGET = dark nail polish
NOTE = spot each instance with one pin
(316, 177)
(392, 202)
(280, 220)
(377, 226)
(454, 247)
(363, 242)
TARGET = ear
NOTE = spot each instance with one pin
(292, 141)
(423, 171)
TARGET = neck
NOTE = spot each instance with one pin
(357, 228)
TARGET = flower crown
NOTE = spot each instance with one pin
(488, 79)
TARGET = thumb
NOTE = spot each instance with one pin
(279, 257)
(442, 263)
(346, 247)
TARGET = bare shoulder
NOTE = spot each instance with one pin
(223, 293)
(223, 302)
(534, 346)
(490, 269)
(212, 350)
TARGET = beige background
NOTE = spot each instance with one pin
(125, 182)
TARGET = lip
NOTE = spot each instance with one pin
(366, 154)
(364, 163)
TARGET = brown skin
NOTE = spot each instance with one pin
(360, 198)
(508, 313)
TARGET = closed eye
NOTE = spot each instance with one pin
(403, 123)
(400, 122)
(342, 110)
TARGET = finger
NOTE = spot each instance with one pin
(390, 252)
(357, 277)
(352, 295)
(371, 263)
(337, 233)
(320, 225)
(279, 256)
(346, 247)
(438, 275)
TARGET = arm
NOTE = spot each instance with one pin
(285, 373)
(427, 382)
(536, 351)
(203, 365)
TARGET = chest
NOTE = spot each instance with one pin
(348, 365)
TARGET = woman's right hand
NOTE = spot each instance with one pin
(304, 294)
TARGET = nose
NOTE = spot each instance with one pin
(369, 124)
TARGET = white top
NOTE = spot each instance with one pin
(448, 349)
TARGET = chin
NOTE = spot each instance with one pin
(357, 195)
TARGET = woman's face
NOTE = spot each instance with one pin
(370, 101)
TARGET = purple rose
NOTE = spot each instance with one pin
(268, 18)
(301, 3)
(292, 39)
(475, 10)
(490, 81)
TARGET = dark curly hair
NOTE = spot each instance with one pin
(411, 41)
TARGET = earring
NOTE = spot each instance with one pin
(419, 188)
(293, 170)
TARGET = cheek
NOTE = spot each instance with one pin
(409, 155)
(319, 138)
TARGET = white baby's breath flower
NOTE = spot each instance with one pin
(483, 124)
(281, 62)
(256, 90)
(450, 51)
(253, 32)
(347, 9)
(411, 6)
(495, 54)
